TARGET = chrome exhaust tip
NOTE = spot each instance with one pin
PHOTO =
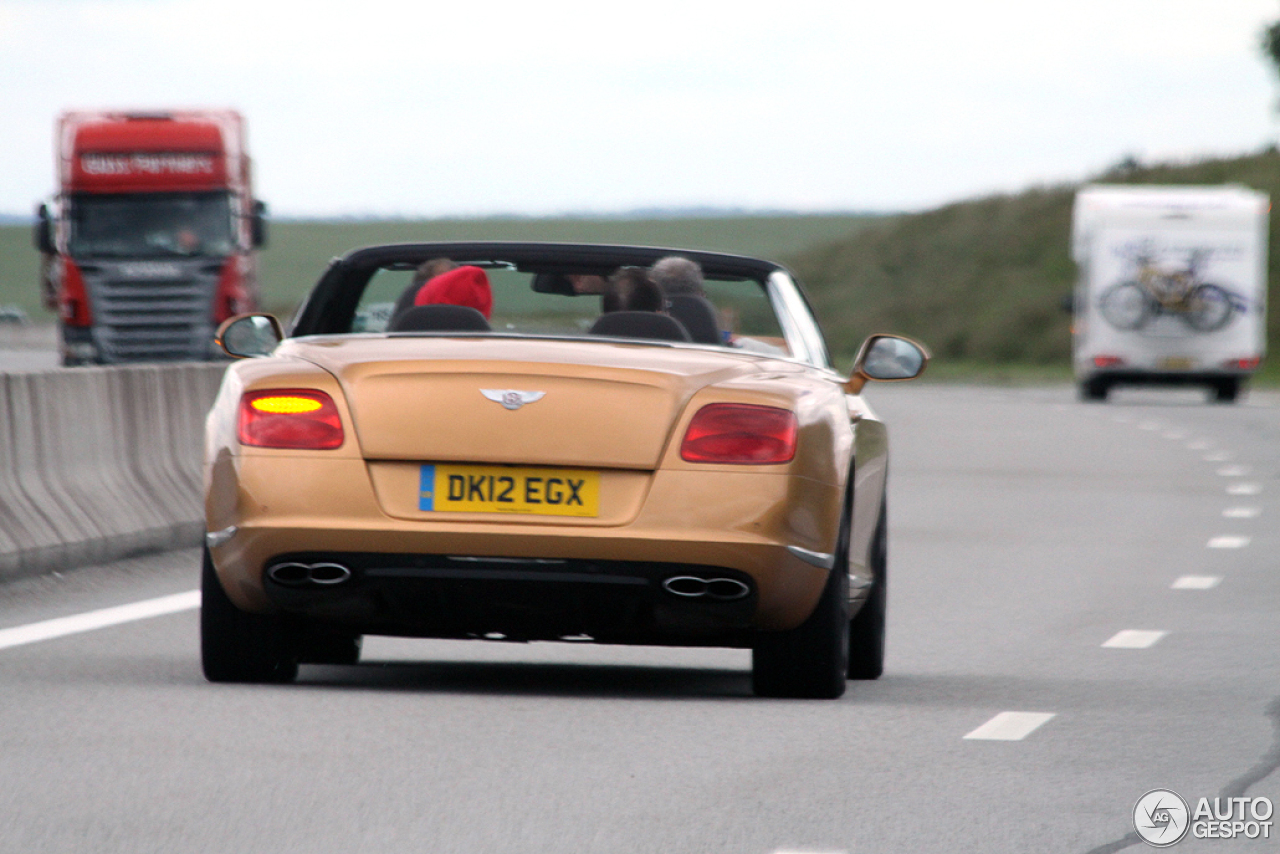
(727, 589)
(294, 574)
(290, 574)
(693, 587)
(329, 573)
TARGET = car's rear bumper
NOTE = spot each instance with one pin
(530, 599)
(689, 523)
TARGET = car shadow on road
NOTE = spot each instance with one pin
(535, 679)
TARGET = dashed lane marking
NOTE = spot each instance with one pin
(90, 620)
(1233, 471)
(1196, 582)
(1217, 457)
(1227, 541)
(1242, 512)
(1010, 726)
(1244, 489)
(1134, 639)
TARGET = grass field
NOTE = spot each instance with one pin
(299, 250)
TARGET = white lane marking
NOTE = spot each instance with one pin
(1241, 512)
(1134, 639)
(1175, 435)
(1227, 541)
(1244, 489)
(87, 622)
(1010, 726)
(1150, 425)
(1199, 445)
(1217, 457)
(1233, 471)
(1196, 582)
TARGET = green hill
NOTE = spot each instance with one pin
(982, 281)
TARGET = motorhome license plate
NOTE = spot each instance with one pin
(508, 489)
(1176, 363)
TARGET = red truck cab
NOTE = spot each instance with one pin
(150, 242)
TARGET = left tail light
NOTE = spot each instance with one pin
(740, 433)
(290, 418)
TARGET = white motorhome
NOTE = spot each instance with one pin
(1172, 287)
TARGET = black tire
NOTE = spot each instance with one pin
(866, 630)
(1095, 390)
(811, 660)
(1225, 390)
(239, 647)
(324, 647)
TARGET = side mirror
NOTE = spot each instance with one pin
(887, 358)
(258, 224)
(249, 336)
(42, 235)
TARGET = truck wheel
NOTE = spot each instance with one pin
(1095, 389)
(240, 647)
(866, 630)
(810, 661)
(1226, 390)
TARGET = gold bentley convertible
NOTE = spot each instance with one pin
(482, 453)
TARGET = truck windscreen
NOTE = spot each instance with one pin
(149, 225)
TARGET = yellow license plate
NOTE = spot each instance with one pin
(1177, 363)
(508, 489)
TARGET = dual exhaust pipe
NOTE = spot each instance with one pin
(326, 574)
(693, 587)
(309, 574)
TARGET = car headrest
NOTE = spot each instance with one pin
(439, 318)
(640, 324)
(698, 316)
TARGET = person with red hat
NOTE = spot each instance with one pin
(467, 285)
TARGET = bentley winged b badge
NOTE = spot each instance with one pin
(511, 398)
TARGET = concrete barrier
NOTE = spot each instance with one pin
(100, 463)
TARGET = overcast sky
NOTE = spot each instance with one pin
(412, 107)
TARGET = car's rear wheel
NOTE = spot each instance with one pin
(811, 660)
(239, 647)
(866, 631)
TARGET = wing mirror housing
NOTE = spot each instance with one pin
(42, 234)
(249, 336)
(887, 358)
(258, 224)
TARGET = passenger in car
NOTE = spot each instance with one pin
(426, 271)
(676, 275)
(632, 289)
(681, 280)
(466, 285)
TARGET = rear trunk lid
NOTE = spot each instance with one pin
(519, 401)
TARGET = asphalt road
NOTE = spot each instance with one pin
(1027, 531)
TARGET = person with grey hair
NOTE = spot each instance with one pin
(631, 289)
(676, 275)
